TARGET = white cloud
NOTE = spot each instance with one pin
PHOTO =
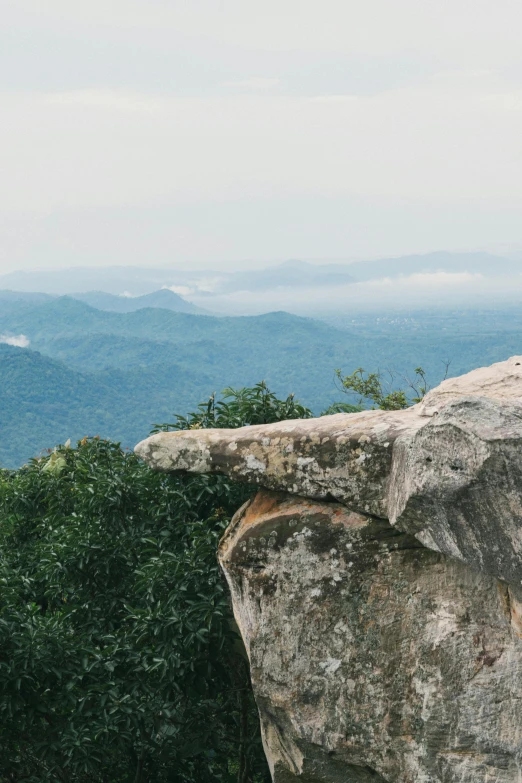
(20, 341)
(418, 290)
(423, 280)
(208, 285)
(181, 290)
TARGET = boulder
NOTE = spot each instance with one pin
(376, 579)
(372, 658)
(441, 470)
(456, 484)
(500, 381)
(346, 456)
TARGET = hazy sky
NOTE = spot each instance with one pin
(206, 132)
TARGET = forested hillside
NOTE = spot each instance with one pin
(121, 662)
(44, 402)
(88, 372)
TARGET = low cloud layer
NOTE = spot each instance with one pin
(439, 289)
(20, 340)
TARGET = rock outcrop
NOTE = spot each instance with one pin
(377, 581)
(372, 657)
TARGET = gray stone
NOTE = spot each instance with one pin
(501, 381)
(372, 658)
(377, 583)
(457, 484)
(452, 477)
(346, 456)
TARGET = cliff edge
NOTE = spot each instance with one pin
(376, 578)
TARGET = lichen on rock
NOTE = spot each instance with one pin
(372, 657)
(376, 579)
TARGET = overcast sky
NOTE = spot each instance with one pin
(208, 132)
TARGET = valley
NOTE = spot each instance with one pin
(88, 371)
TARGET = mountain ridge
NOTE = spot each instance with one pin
(89, 371)
(164, 299)
(140, 281)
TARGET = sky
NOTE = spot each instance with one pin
(198, 133)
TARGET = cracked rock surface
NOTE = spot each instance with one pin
(345, 456)
(377, 582)
(372, 657)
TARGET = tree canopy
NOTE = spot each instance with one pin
(119, 657)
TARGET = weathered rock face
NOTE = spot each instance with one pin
(457, 484)
(442, 477)
(377, 583)
(346, 456)
(501, 381)
(372, 657)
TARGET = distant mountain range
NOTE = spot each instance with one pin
(88, 371)
(484, 264)
(130, 352)
(137, 281)
(164, 299)
(11, 301)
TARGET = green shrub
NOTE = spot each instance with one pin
(119, 662)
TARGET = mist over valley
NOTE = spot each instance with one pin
(433, 279)
(126, 354)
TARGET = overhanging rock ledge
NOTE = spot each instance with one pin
(377, 582)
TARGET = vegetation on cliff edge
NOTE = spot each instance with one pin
(119, 659)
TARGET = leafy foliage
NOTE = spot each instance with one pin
(119, 658)
(240, 407)
(374, 388)
(341, 407)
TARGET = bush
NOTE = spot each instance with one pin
(119, 659)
